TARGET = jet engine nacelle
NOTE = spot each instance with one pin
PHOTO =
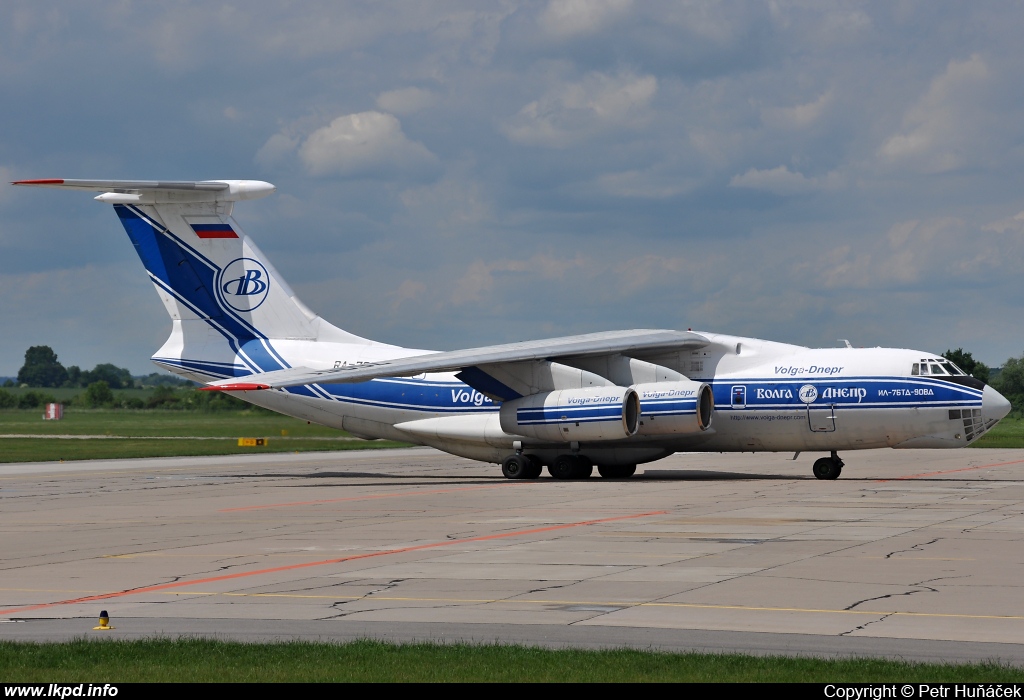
(597, 413)
(675, 408)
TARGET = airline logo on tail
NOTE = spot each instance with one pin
(243, 284)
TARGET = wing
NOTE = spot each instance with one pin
(589, 345)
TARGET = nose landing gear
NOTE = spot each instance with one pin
(828, 467)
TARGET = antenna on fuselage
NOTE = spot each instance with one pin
(844, 340)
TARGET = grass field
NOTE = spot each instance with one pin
(68, 393)
(1009, 433)
(367, 661)
(128, 423)
(125, 433)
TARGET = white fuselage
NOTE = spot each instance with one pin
(768, 397)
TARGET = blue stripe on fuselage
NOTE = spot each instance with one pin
(851, 392)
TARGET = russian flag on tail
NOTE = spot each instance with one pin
(218, 230)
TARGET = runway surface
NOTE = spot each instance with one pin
(911, 554)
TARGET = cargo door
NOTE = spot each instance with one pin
(821, 419)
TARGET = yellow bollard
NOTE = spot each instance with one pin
(104, 622)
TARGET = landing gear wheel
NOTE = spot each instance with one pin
(619, 471)
(828, 468)
(584, 468)
(533, 467)
(515, 467)
(564, 467)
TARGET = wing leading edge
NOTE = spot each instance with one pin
(588, 345)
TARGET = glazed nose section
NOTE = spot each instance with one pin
(994, 405)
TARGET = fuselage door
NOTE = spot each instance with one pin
(821, 419)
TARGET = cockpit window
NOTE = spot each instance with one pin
(934, 367)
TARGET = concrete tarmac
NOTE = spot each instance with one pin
(910, 554)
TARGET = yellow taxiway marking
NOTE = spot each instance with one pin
(610, 604)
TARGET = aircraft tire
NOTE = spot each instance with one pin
(619, 471)
(515, 467)
(533, 467)
(827, 468)
(584, 468)
(564, 467)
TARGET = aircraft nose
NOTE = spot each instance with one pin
(994, 405)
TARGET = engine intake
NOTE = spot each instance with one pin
(675, 408)
(599, 413)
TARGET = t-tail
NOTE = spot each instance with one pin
(231, 310)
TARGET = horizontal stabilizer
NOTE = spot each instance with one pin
(133, 191)
(589, 345)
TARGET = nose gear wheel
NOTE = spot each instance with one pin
(828, 467)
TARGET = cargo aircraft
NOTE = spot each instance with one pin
(611, 400)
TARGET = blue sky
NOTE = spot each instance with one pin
(462, 173)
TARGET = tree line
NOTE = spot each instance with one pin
(42, 370)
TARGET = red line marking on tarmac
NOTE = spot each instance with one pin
(370, 497)
(306, 565)
(952, 471)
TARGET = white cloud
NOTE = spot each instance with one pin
(565, 18)
(456, 202)
(798, 116)
(361, 144)
(277, 149)
(1014, 223)
(646, 184)
(923, 254)
(405, 100)
(571, 112)
(947, 127)
(783, 181)
(479, 281)
(409, 290)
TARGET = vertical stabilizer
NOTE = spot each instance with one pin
(226, 300)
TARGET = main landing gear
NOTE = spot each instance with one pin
(520, 466)
(568, 466)
(619, 471)
(571, 467)
(828, 467)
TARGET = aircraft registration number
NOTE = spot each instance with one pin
(906, 392)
